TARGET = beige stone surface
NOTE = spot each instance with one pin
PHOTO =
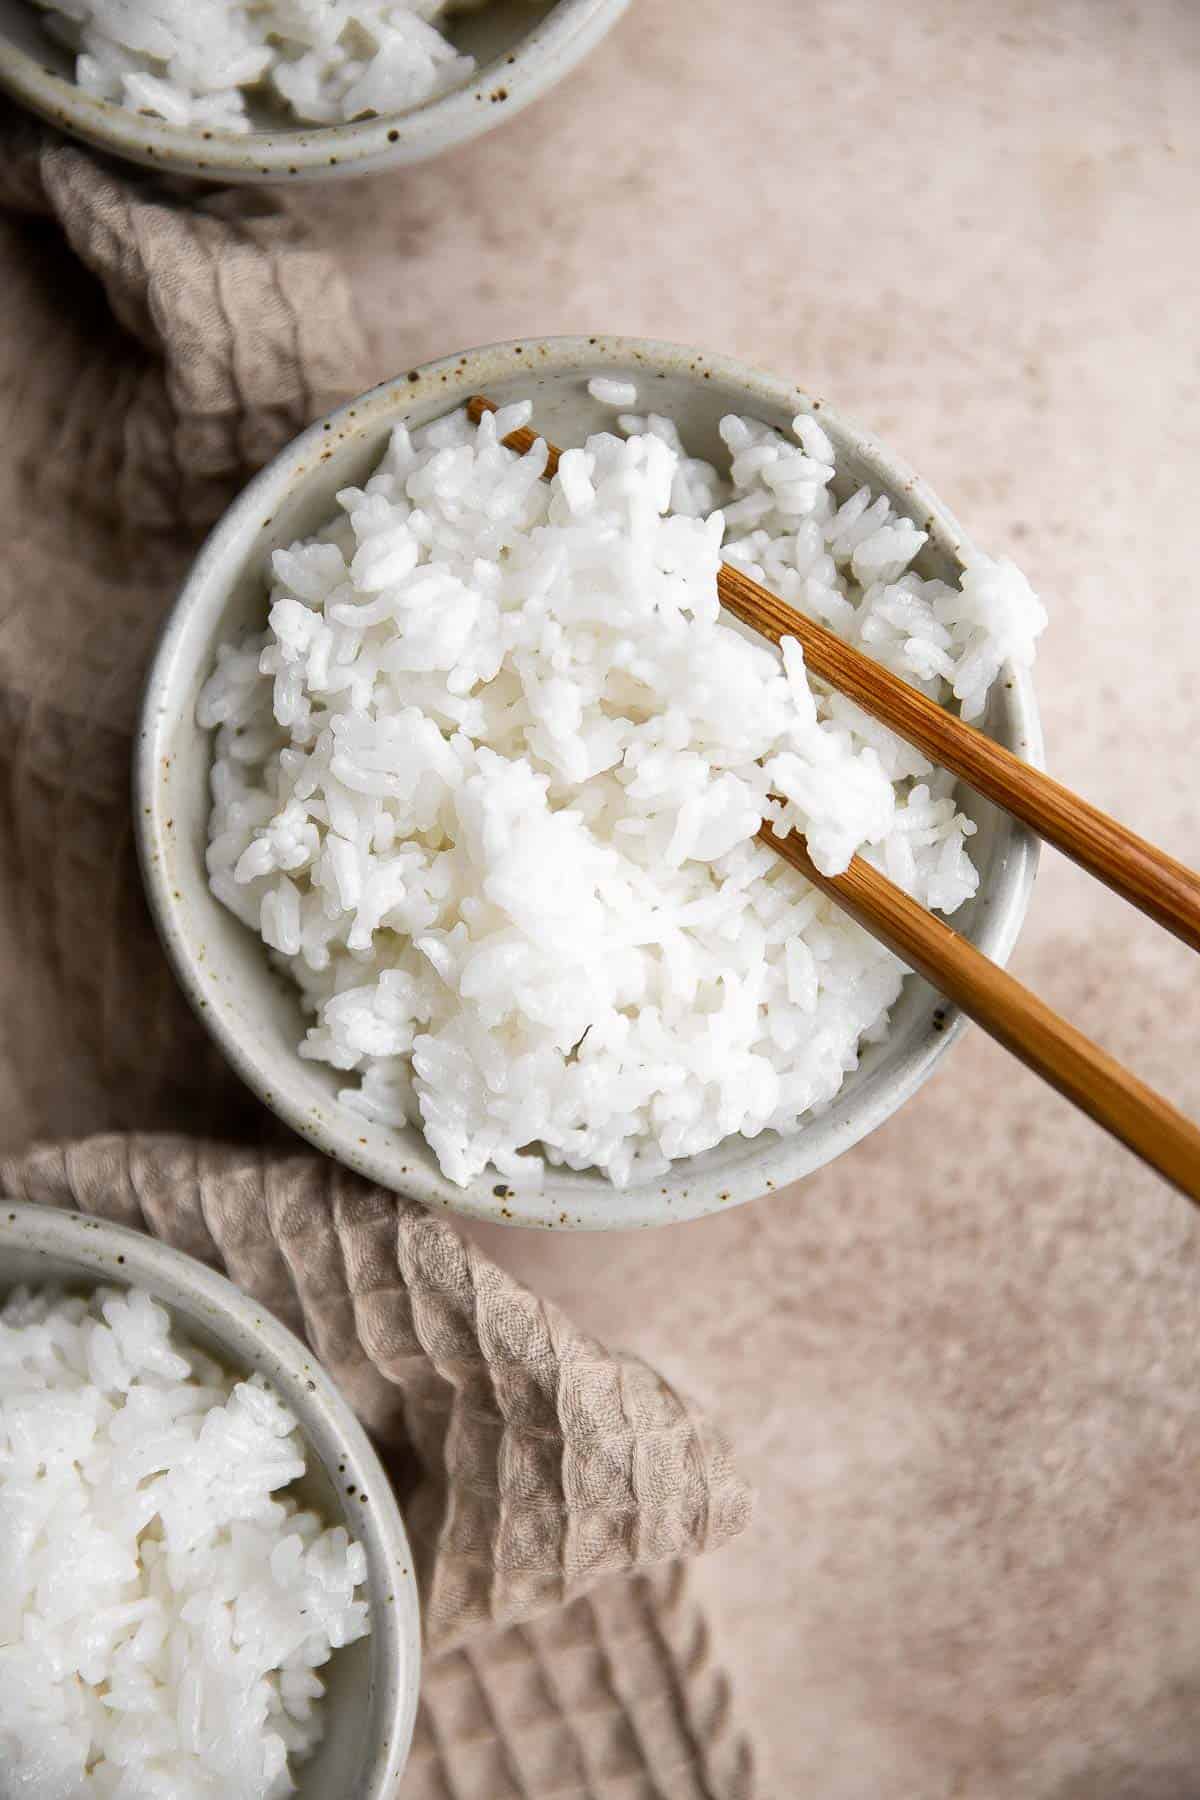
(964, 1363)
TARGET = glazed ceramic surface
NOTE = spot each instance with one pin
(522, 48)
(372, 1685)
(254, 1014)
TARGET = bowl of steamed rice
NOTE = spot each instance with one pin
(239, 90)
(208, 1589)
(449, 782)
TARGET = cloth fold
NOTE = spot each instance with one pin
(234, 332)
(162, 344)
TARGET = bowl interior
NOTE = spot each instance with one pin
(254, 1013)
(371, 1685)
(492, 32)
(522, 47)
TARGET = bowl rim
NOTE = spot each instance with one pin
(107, 1252)
(550, 49)
(687, 1192)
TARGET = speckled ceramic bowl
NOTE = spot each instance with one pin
(372, 1685)
(522, 47)
(254, 1014)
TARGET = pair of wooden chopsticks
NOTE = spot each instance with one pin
(1166, 890)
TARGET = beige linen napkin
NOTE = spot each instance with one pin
(158, 346)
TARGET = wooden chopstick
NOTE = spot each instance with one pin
(1153, 881)
(1134, 1114)
(1096, 1083)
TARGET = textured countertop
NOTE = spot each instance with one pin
(963, 1364)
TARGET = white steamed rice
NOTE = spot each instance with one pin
(488, 787)
(622, 395)
(163, 1607)
(192, 62)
